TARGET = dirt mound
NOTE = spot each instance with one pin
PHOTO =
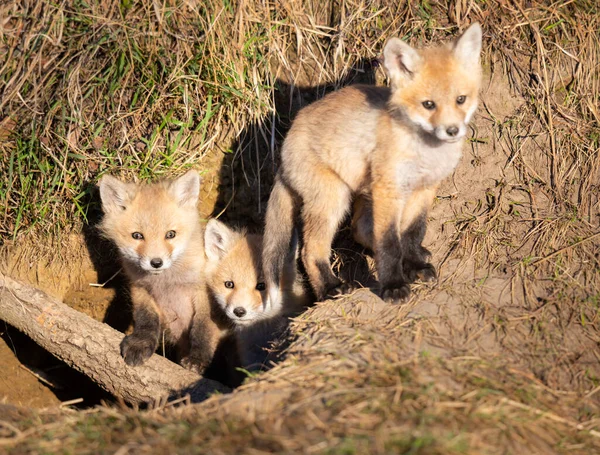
(360, 377)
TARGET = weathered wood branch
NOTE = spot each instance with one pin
(92, 347)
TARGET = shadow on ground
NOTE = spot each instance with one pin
(248, 170)
(64, 382)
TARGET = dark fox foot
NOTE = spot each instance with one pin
(340, 288)
(425, 254)
(420, 271)
(195, 363)
(136, 349)
(427, 274)
(395, 293)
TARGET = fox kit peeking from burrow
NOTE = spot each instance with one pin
(387, 149)
(236, 284)
(157, 230)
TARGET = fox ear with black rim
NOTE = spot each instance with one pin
(115, 194)
(400, 61)
(186, 189)
(217, 239)
(467, 48)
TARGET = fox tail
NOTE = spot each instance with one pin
(280, 239)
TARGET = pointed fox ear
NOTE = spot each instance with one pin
(468, 47)
(218, 239)
(400, 61)
(186, 189)
(115, 195)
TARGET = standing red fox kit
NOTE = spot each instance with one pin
(157, 230)
(386, 148)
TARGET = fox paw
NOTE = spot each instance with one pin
(420, 271)
(341, 289)
(135, 350)
(194, 363)
(427, 274)
(395, 293)
(425, 254)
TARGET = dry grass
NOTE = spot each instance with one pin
(499, 357)
(355, 381)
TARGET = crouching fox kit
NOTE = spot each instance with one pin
(157, 230)
(387, 149)
(236, 284)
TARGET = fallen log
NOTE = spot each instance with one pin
(92, 348)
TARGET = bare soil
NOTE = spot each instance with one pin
(19, 386)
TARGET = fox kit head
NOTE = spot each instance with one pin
(150, 224)
(235, 277)
(436, 89)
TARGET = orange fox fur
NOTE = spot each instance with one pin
(236, 283)
(385, 148)
(157, 230)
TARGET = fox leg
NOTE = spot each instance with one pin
(412, 231)
(204, 336)
(416, 257)
(388, 205)
(279, 237)
(204, 339)
(322, 214)
(362, 221)
(139, 346)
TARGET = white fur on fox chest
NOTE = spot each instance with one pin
(177, 307)
(428, 166)
(175, 296)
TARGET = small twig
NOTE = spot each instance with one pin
(593, 392)
(16, 432)
(40, 378)
(550, 415)
(550, 256)
(71, 402)
(98, 285)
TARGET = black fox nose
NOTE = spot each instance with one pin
(156, 263)
(239, 311)
(452, 130)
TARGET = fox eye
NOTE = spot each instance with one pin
(461, 99)
(260, 286)
(138, 236)
(429, 105)
(229, 284)
(170, 234)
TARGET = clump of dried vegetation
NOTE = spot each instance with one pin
(501, 356)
